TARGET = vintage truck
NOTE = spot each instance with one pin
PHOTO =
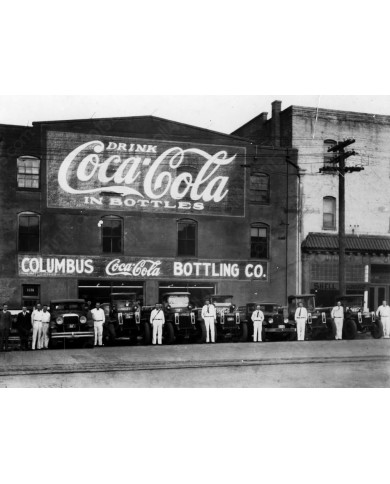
(229, 323)
(355, 317)
(124, 322)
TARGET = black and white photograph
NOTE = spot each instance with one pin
(194, 242)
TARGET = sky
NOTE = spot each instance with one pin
(223, 113)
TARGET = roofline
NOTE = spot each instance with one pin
(88, 120)
(15, 126)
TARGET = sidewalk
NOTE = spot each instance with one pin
(128, 358)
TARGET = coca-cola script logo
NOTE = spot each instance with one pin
(142, 268)
(123, 175)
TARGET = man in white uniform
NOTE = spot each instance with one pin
(209, 315)
(301, 319)
(36, 322)
(99, 318)
(338, 316)
(157, 320)
(384, 313)
(257, 318)
(44, 344)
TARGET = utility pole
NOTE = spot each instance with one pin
(342, 170)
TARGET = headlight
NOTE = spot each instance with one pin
(168, 307)
(189, 306)
(270, 320)
(233, 307)
(135, 309)
(285, 321)
(83, 320)
(59, 320)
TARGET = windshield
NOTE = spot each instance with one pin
(178, 301)
(352, 301)
(124, 304)
(224, 300)
(308, 303)
(67, 306)
(269, 308)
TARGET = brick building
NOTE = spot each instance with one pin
(311, 132)
(145, 205)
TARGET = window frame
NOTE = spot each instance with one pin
(29, 214)
(251, 190)
(188, 221)
(103, 237)
(334, 213)
(260, 225)
(30, 189)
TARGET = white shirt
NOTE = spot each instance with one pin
(45, 317)
(98, 314)
(301, 313)
(157, 315)
(257, 315)
(383, 311)
(209, 311)
(36, 315)
(337, 312)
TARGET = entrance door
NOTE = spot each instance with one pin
(376, 295)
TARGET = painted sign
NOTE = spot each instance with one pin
(85, 171)
(139, 268)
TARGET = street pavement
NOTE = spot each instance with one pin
(363, 362)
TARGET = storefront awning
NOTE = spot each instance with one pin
(317, 242)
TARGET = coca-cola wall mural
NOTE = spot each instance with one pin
(139, 268)
(87, 171)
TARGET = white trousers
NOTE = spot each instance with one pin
(257, 327)
(339, 327)
(45, 335)
(98, 330)
(37, 335)
(210, 328)
(386, 326)
(157, 332)
(301, 326)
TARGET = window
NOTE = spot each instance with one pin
(30, 295)
(329, 156)
(329, 213)
(28, 238)
(259, 241)
(28, 172)
(112, 233)
(186, 237)
(260, 188)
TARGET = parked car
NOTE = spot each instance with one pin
(124, 322)
(69, 322)
(320, 325)
(229, 324)
(358, 320)
(181, 323)
(276, 325)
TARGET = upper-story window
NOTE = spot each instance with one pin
(259, 241)
(329, 143)
(260, 188)
(28, 172)
(112, 234)
(28, 232)
(329, 213)
(187, 237)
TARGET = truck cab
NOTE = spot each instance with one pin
(228, 324)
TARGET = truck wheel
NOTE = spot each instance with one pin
(147, 334)
(350, 329)
(377, 330)
(202, 333)
(169, 334)
(331, 329)
(244, 333)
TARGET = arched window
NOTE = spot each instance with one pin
(187, 235)
(329, 143)
(329, 213)
(28, 172)
(260, 188)
(259, 241)
(28, 232)
(112, 234)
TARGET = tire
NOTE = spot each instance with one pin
(202, 333)
(147, 334)
(377, 330)
(331, 329)
(244, 333)
(349, 329)
(168, 333)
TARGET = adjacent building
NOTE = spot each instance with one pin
(311, 132)
(144, 205)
